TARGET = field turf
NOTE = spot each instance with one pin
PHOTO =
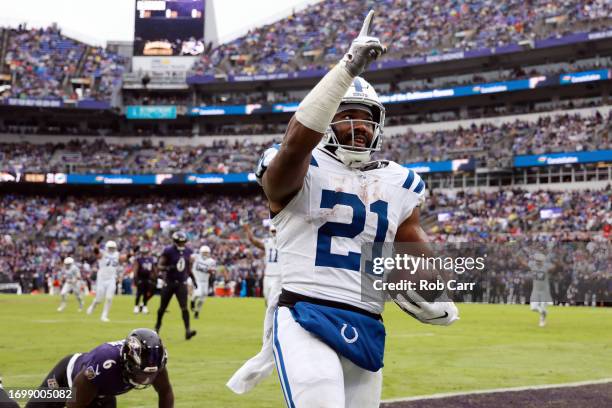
(492, 346)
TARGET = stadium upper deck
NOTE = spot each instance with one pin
(315, 37)
(490, 143)
(43, 63)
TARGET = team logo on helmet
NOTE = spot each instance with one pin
(133, 349)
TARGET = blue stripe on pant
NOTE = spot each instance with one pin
(280, 365)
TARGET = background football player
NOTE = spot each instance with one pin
(327, 199)
(272, 273)
(175, 264)
(203, 266)
(540, 268)
(71, 276)
(145, 277)
(111, 369)
(109, 260)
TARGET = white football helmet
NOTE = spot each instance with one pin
(68, 261)
(360, 94)
(205, 250)
(110, 246)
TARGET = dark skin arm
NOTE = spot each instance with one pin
(191, 275)
(84, 392)
(252, 238)
(161, 266)
(411, 231)
(97, 252)
(164, 389)
(285, 175)
(135, 271)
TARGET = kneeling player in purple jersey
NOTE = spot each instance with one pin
(111, 369)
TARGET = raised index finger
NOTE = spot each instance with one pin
(365, 28)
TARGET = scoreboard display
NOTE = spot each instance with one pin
(169, 28)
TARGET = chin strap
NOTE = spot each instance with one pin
(353, 159)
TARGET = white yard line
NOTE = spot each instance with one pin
(493, 390)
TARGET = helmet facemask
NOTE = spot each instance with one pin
(360, 96)
(349, 154)
(141, 364)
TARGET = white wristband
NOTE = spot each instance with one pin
(318, 108)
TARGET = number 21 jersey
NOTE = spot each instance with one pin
(321, 231)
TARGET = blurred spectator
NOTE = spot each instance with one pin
(493, 144)
(319, 35)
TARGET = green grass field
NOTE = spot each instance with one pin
(491, 346)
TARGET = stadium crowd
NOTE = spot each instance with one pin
(580, 274)
(39, 231)
(508, 215)
(316, 37)
(492, 143)
(42, 60)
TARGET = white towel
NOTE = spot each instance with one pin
(261, 365)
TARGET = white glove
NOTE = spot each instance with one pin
(437, 312)
(264, 162)
(160, 283)
(364, 49)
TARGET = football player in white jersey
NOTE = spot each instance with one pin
(328, 198)
(109, 261)
(272, 273)
(71, 276)
(540, 268)
(202, 266)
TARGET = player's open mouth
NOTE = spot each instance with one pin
(359, 141)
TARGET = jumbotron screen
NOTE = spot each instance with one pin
(169, 27)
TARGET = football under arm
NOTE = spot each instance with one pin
(164, 389)
(441, 311)
(84, 392)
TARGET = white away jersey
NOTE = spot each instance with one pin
(272, 265)
(71, 274)
(540, 274)
(108, 266)
(202, 267)
(321, 230)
